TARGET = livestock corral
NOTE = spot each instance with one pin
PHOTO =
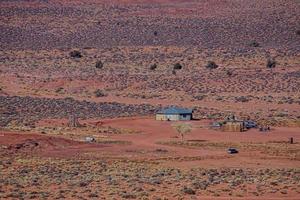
(92, 94)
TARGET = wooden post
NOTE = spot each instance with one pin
(73, 121)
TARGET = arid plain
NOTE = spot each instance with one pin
(114, 64)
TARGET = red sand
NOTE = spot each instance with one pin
(144, 144)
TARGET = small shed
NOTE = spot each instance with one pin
(232, 124)
(174, 114)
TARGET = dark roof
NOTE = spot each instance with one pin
(175, 110)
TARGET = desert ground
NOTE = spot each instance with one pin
(114, 64)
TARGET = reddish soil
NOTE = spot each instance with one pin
(41, 145)
(150, 148)
(150, 133)
(157, 131)
(134, 156)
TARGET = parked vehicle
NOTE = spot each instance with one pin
(90, 139)
(232, 151)
(250, 124)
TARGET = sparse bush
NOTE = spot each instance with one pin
(93, 195)
(271, 63)
(128, 196)
(229, 73)
(298, 32)
(177, 66)
(182, 129)
(199, 97)
(60, 89)
(187, 190)
(242, 99)
(155, 33)
(99, 93)
(161, 150)
(219, 98)
(99, 64)
(83, 184)
(153, 66)
(211, 65)
(254, 44)
(69, 99)
(75, 54)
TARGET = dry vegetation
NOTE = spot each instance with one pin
(272, 148)
(123, 179)
(100, 60)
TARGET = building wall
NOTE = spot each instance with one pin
(185, 117)
(162, 117)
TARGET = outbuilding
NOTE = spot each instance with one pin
(232, 124)
(174, 114)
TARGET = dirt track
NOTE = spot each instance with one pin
(206, 146)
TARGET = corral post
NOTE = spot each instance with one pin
(73, 121)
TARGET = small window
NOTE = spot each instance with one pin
(184, 115)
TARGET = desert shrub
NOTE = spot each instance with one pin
(60, 89)
(271, 63)
(93, 195)
(161, 150)
(99, 64)
(153, 66)
(75, 54)
(229, 73)
(219, 98)
(69, 99)
(174, 72)
(282, 114)
(211, 65)
(84, 184)
(298, 32)
(199, 97)
(129, 196)
(155, 33)
(187, 190)
(182, 129)
(254, 44)
(177, 66)
(99, 93)
(242, 99)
